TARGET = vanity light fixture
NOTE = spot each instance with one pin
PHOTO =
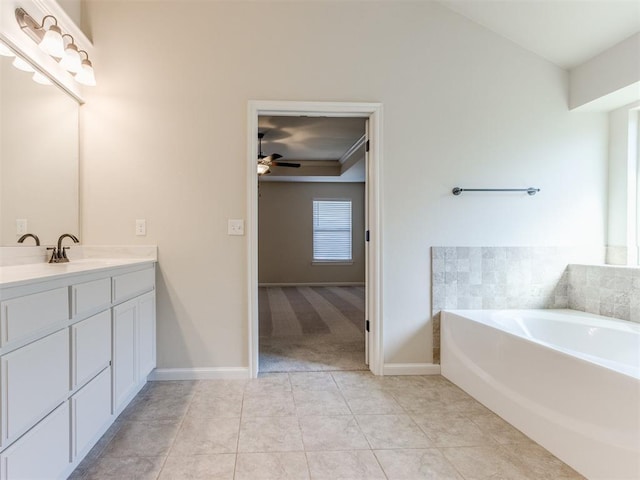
(23, 65)
(71, 61)
(5, 51)
(52, 41)
(86, 76)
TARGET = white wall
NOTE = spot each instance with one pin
(609, 80)
(285, 233)
(164, 138)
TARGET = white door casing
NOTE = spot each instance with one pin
(373, 112)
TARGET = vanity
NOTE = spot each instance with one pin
(77, 342)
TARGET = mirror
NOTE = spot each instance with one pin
(39, 152)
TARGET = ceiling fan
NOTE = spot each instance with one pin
(267, 161)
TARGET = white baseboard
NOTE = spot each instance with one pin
(314, 284)
(214, 373)
(411, 369)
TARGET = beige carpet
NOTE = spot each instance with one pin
(311, 329)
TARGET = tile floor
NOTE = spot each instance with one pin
(315, 425)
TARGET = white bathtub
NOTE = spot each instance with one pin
(567, 379)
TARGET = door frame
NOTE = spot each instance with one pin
(372, 111)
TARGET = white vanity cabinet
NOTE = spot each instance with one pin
(74, 351)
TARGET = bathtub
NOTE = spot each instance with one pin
(567, 379)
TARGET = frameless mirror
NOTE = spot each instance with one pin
(39, 152)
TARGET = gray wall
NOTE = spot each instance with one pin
(285, 233)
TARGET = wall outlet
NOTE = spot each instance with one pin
(235, 227)
(141, 227)
(21, 226)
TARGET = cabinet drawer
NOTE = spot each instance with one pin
(90, 347)
(35, 379)
(90, 297)
(25, 316)
(43, 453)
(90, 412)
(134, 283)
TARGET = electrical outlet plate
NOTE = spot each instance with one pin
(21, 226)
(235, 227)
(141, 227)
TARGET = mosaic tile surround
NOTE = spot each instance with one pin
(530, 277)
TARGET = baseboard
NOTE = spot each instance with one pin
(214, 373)
(411, 369)
(314, 284)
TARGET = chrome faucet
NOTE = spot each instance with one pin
(59, 255)
(27, 235)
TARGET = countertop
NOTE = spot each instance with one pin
(15, 275)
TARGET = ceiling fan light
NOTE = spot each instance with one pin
(52, 42)
(263, 169)
(23, 65)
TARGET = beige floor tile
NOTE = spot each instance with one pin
(199, 467)
(392, 431)
(371, 402)
(268, 404)
(357, 380)
(416, 464)
(215, 404)
(175, 388)
(344, 465)
(268, 382)
(270, 434)
(483, 463)
(308, 381)
(320, 402)
(158, 406)
(272, 466)
(452, 430)
(111, 468)
(538, 463)
(338, 432)
(205, 436)
(220, 387)
(501, 431)
(142, 439)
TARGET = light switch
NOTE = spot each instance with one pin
(235, 227)
(141, 227)
(21, 226)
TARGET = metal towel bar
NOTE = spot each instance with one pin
(530, 190)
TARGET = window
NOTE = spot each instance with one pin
(332, 230)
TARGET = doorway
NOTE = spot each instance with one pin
(372, 113)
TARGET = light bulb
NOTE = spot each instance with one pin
(20, 64)
(41, 79)
(86, 76)
(52, 42)
(71, 61)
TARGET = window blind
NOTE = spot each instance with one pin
(331, 230)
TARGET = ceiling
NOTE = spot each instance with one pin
(329, 149)
(565, 32)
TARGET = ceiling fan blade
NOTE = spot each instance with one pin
(271, 158)
(285, 164)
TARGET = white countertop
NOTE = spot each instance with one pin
(19, 274)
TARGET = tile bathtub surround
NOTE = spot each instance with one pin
(612, 291)
(501, 277)
(415, 427)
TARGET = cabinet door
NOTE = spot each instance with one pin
(124, 366)
(90, 413)
(90, 347)
(146, 334)
(35, 379)
(42, 453)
